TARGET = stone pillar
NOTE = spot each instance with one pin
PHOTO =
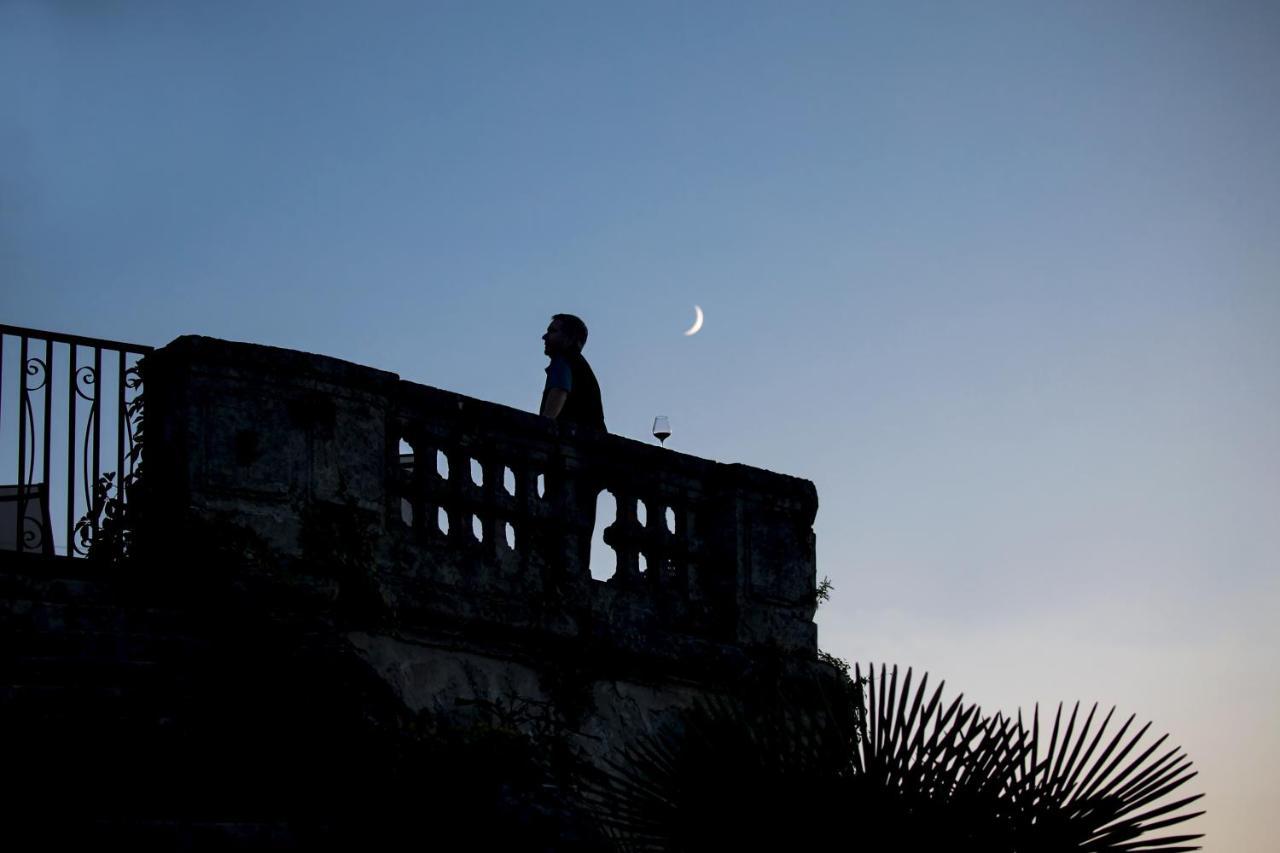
(764, 534)
(255, 435)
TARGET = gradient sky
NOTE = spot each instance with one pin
(1002, 279)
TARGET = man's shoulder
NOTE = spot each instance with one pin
(559, 372)
(580, 360)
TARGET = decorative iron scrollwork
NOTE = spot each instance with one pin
(33, 533)
(71, 401)
(87, 376)
(36, 367)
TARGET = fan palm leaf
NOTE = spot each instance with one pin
(916, 773)
(1075, 795)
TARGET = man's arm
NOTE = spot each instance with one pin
(553, 402)
(559, 384)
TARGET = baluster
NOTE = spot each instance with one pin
(456, 504)
(431, 488)
(623, 537)
(426, 489)
(650, 541)
(577, 503)
(684, 547)
(494, 501)
(526, 522)
(22, 445)
(96, 411)
(71, 450)
(120, 427)
(46, 531)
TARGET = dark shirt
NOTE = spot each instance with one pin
(571, 373)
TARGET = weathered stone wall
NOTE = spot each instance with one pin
(302, 454)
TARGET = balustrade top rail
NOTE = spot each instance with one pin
(66, 401)
(79, 340)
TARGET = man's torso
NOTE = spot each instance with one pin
(583, 405)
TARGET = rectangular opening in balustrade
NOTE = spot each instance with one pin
(405, 455)
(510, 533)
(442, 520)
(509, 481)
(604, 560)
(477, 528)
(442, 465)
(477, 472)
(670, 516)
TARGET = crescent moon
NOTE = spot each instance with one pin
(697, 322)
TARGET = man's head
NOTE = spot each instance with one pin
(566, 333)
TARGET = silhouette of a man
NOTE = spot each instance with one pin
(571, 394)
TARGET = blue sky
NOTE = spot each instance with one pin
(1002, 279)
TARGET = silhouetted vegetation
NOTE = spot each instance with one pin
(108, 529)
(912, 774)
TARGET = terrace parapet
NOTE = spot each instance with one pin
(477, 516)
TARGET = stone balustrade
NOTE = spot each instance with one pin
(479, 516)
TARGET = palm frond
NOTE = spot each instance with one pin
(918, 773)
(1079, 798)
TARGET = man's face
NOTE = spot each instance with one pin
(555, 341)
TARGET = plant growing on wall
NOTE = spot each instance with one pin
(107, 531)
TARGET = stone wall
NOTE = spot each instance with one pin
(334, 472)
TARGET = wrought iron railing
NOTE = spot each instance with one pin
(69, 409)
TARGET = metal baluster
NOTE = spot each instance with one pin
(97, 425)
(120, 427)
(46, 523)
(1, 379)
(19, 544)
(71, 450)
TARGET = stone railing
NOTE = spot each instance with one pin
(479, 514)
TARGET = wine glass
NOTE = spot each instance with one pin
(661, 428)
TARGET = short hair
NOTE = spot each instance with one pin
(574, 327)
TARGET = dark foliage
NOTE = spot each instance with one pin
(915, 773)
(108, 530)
